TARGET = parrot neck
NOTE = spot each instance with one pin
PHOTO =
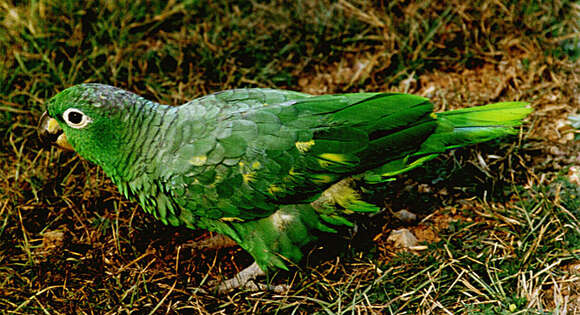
(139, 145)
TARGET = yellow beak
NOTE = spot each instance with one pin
(50, 132)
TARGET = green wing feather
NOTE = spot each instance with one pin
(262, 147)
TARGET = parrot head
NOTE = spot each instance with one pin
(89, 119)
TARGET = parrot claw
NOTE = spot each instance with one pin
(245, 280)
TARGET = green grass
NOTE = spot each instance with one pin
(503, 218)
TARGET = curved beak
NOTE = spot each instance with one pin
(50, 132)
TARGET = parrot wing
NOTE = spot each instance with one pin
(246, 152)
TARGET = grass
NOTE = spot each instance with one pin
(500, 222)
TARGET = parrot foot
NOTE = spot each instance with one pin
(217, 241)
(245, 280)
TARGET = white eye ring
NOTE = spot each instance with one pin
(75, 118)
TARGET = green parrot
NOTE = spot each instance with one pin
(253, 164)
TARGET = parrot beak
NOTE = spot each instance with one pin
(50, 132)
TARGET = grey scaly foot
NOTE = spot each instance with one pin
(245, 280)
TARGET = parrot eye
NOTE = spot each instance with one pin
(75, 118)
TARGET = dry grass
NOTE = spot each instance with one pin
(500, 221)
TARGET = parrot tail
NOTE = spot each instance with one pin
(456, 129)
(467, 126)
